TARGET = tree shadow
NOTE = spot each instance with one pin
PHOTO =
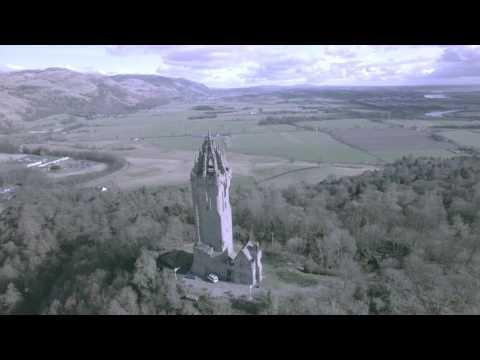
(176, 259)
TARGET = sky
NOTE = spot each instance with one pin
(227, 66)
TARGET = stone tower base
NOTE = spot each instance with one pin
(206, 261)
(245, 268)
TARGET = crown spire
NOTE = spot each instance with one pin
(211, 158)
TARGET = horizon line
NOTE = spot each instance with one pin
(299, 85)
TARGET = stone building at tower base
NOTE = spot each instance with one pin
(244, 268)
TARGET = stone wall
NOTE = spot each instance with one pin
(205, 263)
(243, 270)
(259, 267)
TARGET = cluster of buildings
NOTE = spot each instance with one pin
(45, 162)
(7, 193)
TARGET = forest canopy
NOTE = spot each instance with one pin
(405, 240)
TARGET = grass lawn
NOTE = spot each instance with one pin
(298, 278)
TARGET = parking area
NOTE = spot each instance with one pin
(196, 287)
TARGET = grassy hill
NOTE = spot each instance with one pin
(33, 94)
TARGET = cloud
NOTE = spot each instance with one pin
(126, 50)
(14, 67)
(458, 62)
(252, 65)
(278, 69)
(87, 70)
(249, 65)
(203, 56)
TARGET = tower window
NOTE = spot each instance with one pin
(210, 166)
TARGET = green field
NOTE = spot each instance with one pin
(432, 123)
(172, 130)
(159, 143)
(148, 126)
(299, 145)
(463, 137)
(343, 124)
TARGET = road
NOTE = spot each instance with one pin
(197, 287)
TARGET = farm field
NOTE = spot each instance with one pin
(391, 144)
(173, 131)
(299, 145)
(343, 124)
(148, 127)
(149, 166)
(463, 137)
(361, 128)
(431, 123)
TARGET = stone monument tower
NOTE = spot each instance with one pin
(214, 249)
(210, 180)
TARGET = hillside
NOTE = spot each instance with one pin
(32, 94)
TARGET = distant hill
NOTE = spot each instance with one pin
(32, 94)
(153, 85)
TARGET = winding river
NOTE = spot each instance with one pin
(439, 113)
